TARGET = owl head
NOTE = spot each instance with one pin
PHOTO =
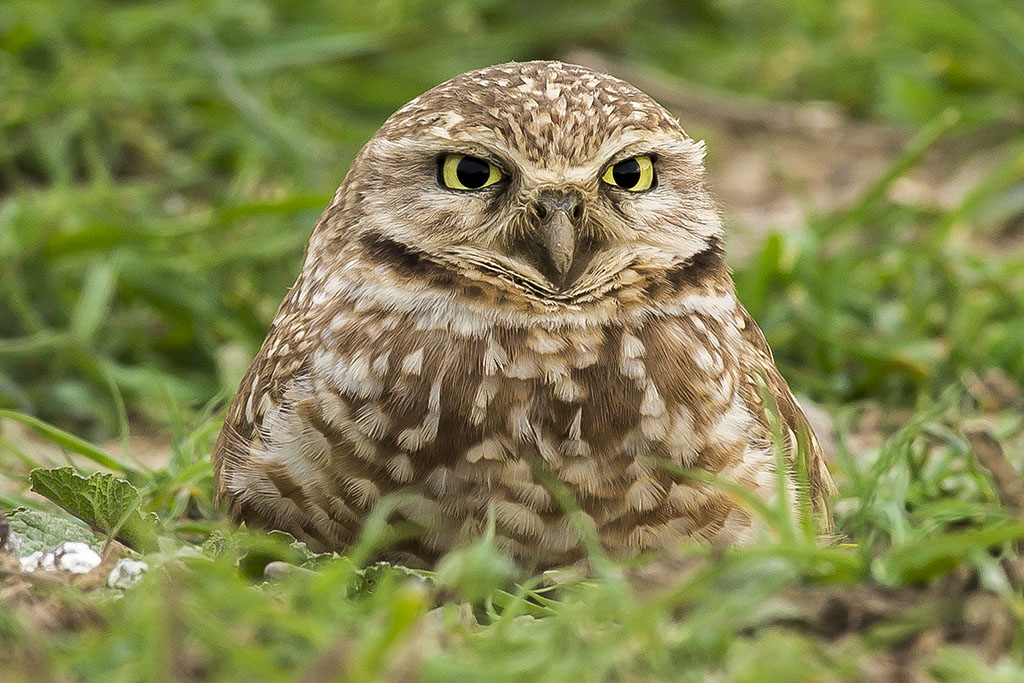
(538, 184)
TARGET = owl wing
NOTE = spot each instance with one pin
(761, 374)
(279, 362)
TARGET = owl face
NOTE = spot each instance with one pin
(542, 180)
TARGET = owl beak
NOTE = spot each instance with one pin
(557, 216)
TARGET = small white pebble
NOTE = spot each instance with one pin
(125, 573)
(69, 556)
(48, 563)
(30, 563)
(75, 557)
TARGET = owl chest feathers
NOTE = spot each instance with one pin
(614, 411)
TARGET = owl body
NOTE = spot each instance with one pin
(545, 340)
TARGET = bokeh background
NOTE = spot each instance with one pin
(162, 165)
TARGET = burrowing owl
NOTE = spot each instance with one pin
(516, 297)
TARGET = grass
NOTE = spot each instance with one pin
(161, 165)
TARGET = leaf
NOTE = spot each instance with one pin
(379, 572)
(261, 548)
(104, 502)
(42, 530)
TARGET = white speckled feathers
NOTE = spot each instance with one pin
(426, 348)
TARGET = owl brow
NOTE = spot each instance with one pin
(435, 147)
(630, 144)
(630, 152)
(452, 145)
(485, 154)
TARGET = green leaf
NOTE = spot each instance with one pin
(261, 548)
(104, 502)
(41, 530)
(381, 572)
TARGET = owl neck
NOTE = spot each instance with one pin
(392, 280)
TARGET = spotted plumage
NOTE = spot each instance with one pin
(487, 351)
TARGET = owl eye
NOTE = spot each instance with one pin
(635, 174)
(462, 172)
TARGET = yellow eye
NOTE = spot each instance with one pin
(462, 172)
(635, 174)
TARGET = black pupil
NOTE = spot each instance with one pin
(626, 173)
(473, 172)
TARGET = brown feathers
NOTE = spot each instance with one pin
(427, 349)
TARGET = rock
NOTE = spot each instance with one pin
(276, 571)
(69, 556)
(126, 573)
